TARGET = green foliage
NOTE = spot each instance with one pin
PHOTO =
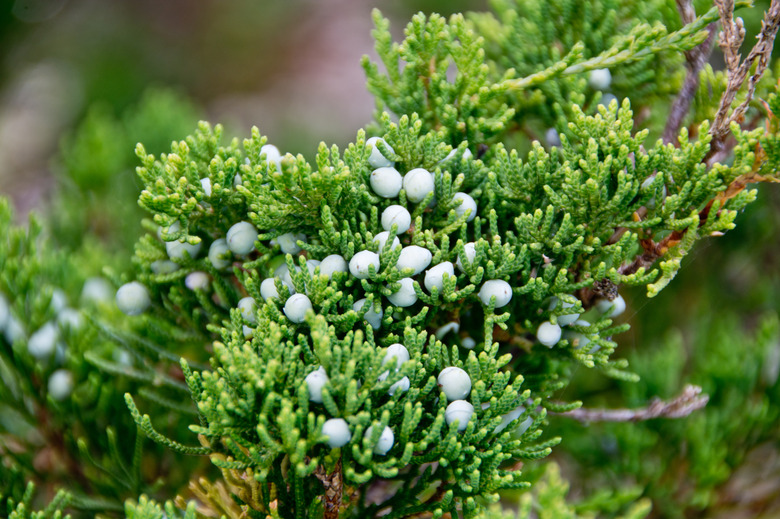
(220, 364)
(59, 421)
(96, 166)
(24, 509)
(548, 500)
(684, 463)
(146, 508)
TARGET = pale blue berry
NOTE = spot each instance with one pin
(96, 290)
(459, 411)
(296, 307)
(337, 432)
(376, 159)
(288, 242)
(510, 417)
(398, 215)
(497, 288)
(600, 79)
(315, 381)
(467, 205)
(268, 289)
(70, 319)
(5, 311)
(133, 298)
(373, 317)
(197, 280)
(178, 249)
(386, 440)
(615, 307)
(241, 238)
(162, 267)
(248, 308)
(43, 342)
(403, 385)
(455, 383)
(434, 276)
(414, 257)
(566, 319)
(470, 253)
(205, 183)
(405, 295)
(548, 334)
(333, 263)
(60, 384)
(386, 182)
(381, 239)
(418, 183)
(219, 254)
(360, 263)
(272, 156)
(398, 352)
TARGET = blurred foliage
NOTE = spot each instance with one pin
(97, 167)
(716, 325)
(722, 334)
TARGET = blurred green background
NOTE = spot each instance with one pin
(82, 81)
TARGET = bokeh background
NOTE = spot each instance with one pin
(90, 78)
(290, 67)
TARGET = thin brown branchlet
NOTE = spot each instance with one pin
(691, 399)
(730, 40)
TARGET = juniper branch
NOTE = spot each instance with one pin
(618, 56)
(687, 402)
(731, 38)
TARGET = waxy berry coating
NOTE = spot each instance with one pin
(467, 205)
(414, 257)
(241, 238)
(386, 182)
(386, 440)
(296, 307)
(219, 254)
(399, 215)
(548, 334)
(434, 276)
(315, 381)
(405, 295)
(360, 262)
(337, 431)
(133, 298)
(376, 159)
(418, 183)
(455, 383)
(460, 411)
(497, 288)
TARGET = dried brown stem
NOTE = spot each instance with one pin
(687, 402)
(696, 59)
(334, 489)
(731, 38)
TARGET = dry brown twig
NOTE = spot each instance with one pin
(684, 404)
(731, 37)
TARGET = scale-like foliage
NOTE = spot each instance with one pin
(331, 361)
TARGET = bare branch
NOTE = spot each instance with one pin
(696, 59)
(687, 402)
(731, 38)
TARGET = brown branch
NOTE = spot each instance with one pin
(687, 402)
(696, 59)
(731, 38)
(334, 489)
